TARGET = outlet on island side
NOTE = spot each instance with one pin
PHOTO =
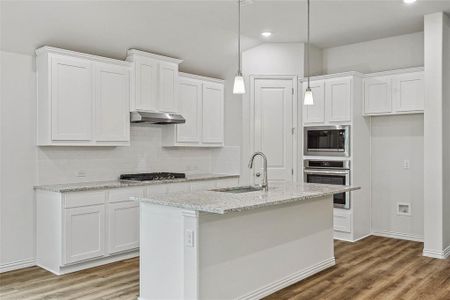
(406, 164)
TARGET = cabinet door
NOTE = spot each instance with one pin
(72, 99)
(112, 100)
(168, 81)
(408, 92)
(315, 113)
(189, 106)
(212, 113)
(146, 84)
(123, 226)
(338, 99)
(84, 229)
(377, 95)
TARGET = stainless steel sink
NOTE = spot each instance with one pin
(239, 189)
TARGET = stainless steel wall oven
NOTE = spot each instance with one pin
(330, 172)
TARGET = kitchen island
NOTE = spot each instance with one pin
(221, 244)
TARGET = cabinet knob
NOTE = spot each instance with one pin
(258, 174)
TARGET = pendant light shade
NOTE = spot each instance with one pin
(239, 84)
(308, 98)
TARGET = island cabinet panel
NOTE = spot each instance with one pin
(247, 254)
(83, 100)
(398, 92)
(84, 233)
(201, 102)
(72, 99)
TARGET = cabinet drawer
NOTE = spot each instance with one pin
(120, 195)
(342, 222)
(78, 199)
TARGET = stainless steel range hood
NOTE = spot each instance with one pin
(161, 118)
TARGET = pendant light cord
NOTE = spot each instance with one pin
(307, 48)
(239, 37)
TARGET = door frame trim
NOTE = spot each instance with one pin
(295, 121)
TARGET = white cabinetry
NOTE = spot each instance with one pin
(332, 101)
(394, 92)
(84, 233)
(201, 102)
(83, 100)
(155, 85)
(82, 229)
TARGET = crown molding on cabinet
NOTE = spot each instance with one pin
(132, 52)
(199, 77)
(92, 57)
(394, 72)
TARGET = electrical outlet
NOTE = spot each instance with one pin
(189, 238)
(406, 164)
(403, 209)
(81, 173)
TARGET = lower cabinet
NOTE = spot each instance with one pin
(123, 226)
(79, 230)
(84, 233)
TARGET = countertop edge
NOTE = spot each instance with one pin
(239, 209)
(104, 185)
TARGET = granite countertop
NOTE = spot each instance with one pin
(222, 203)
(99, 185)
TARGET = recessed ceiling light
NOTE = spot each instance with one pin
(266, 34)
(409, 1)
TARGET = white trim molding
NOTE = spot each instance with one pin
(399, 235)
(444, 254)
(19, 264)
(289, 280)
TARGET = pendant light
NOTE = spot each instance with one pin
(308, 99)
(239, 85)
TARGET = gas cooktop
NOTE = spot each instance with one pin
(152, 176)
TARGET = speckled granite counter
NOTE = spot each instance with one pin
(222, 202)
(99, 185)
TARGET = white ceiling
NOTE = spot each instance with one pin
(203, 33)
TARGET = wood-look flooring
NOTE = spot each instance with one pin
(374, 268)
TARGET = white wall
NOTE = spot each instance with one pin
(446, 134)
(24, 165)
(436, 135)
(394, 138)
(18, 159)
(378, 55)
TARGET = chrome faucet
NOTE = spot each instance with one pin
(264, 184)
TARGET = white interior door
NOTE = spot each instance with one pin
(273, 128)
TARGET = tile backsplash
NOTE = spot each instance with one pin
(145, 154)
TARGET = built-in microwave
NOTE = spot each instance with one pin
(330, 172)
(327, 140)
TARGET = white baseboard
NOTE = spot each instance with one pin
(398, 235)
(19, 264)
(289, 280)
(444, 254)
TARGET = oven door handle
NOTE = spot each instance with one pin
(325, 172)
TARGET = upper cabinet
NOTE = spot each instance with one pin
(396, 92)
(83, 100)
(332, 101)
(155, 84)
(201, 101)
